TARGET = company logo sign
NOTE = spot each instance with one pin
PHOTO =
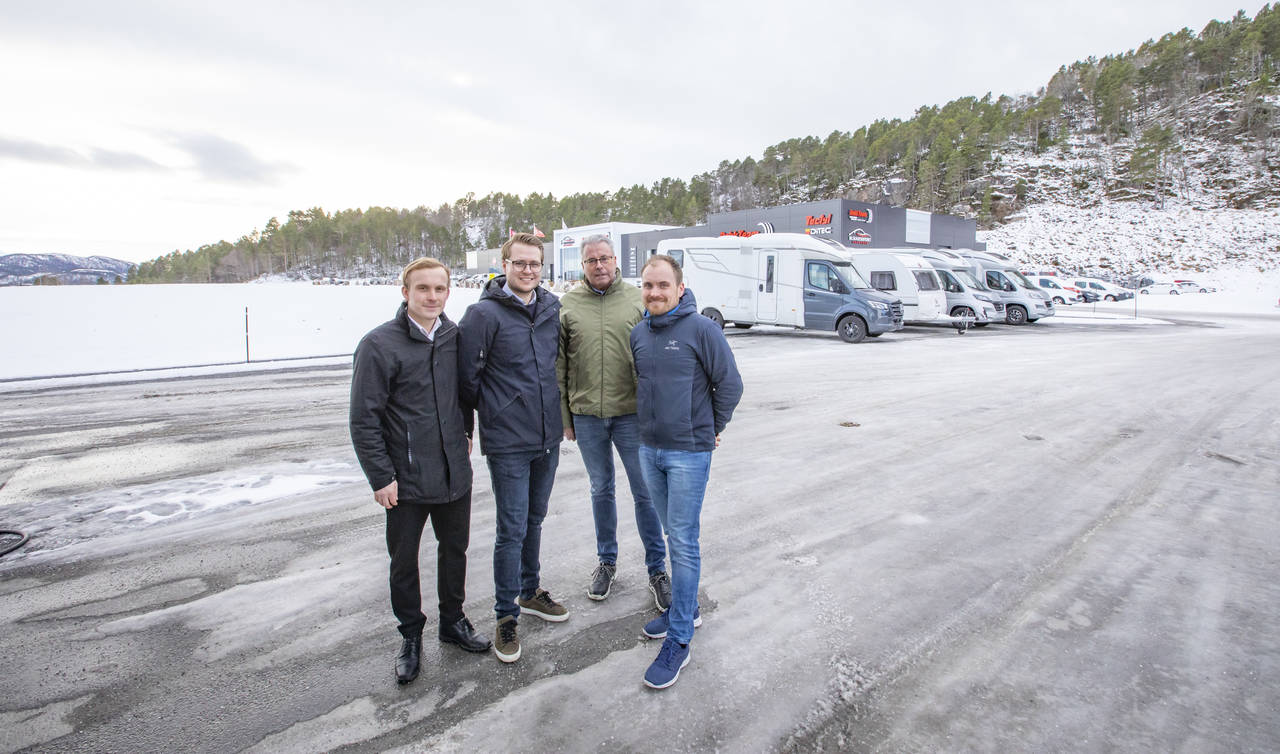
(739, 233)
(826, 231)
(817, 219)
(860, 215)
(568, 241)
(859, 237)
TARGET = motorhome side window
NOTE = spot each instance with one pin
(678, 255)
(998, 281)
(768, 275)
(824, 278)
(884, 281)
(949, 282)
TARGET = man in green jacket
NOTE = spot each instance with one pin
(598, 405)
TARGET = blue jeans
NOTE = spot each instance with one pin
(596, 439)
(677, 481)
(521, 489)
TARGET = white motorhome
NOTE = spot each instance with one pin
(788, 279)
(967, 295)
(1024, 301)
(900, 273)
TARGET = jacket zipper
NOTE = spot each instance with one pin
(409, 445)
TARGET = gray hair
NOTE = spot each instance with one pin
(595, 239)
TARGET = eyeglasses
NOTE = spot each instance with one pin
(534, 266)
(593, 261)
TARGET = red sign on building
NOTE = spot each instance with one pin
(817, 220)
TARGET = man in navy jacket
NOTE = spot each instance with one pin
(507, 368)
(411, 438)
(687, 388)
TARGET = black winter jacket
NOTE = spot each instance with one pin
(507, 367)
(407, 424)
(687, 380)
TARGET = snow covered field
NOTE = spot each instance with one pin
(86, 329)
(1047, 538)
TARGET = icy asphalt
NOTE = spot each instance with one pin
(1059, 537)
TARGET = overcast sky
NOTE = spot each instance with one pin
(131, 129)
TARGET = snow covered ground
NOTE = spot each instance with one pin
(1043, 538)
(74, 330)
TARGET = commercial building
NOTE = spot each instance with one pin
(857, 225)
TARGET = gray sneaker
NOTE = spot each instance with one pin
(660, 586)
(601, 581)
(541, 605)
(506, 643)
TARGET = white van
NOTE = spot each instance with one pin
(788, 279)
(1024, 301)
(899, 272)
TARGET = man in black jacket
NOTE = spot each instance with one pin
(412, 439)
(508, 374)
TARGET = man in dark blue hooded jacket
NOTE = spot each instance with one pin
(687, 388)
(507, 373)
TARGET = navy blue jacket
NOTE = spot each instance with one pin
(507, 369)
(688, 382)
(406, 423)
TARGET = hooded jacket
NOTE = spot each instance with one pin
(406, 422)
(507, 369)
(688, 382)
(595, 369)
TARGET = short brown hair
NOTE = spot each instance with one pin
(424, 263)
(528, 239)
(669, 260)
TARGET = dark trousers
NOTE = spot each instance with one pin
(452, 525)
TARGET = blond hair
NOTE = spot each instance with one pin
(424, 263)
(527, 239)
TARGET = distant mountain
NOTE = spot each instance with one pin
(25, 269)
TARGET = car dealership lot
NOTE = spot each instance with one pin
(892, 560)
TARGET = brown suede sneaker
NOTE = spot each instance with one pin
(541, 605)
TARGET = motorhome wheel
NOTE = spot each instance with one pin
(852, 329)
(714, 316)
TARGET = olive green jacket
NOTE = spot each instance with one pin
(595, 368)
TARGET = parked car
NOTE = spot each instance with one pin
(1061, 294)
(1106, 291)
(1194, 287)
(1170, 289)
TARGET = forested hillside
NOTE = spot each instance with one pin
(1191, 118)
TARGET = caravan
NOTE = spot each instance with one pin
(788, 279)
(901, 273)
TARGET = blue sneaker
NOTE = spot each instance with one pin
(657, 628)
(666, 669)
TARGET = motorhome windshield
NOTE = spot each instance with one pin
(1022, 280)
(968, 279)
(850, 275)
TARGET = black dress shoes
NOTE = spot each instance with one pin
(462, 633)
(407, 660)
